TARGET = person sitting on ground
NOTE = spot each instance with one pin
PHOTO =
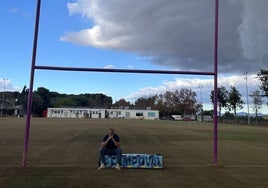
(110, 146)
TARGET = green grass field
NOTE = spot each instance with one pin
(63, 153)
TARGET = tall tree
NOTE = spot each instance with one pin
(38, 107)
(160, 105)
(121, 103)
(22, 100)
(181, 102)
(44, 93)
(99, 100)
(235, 100)
(145, 102)
(263, 76)
(187, 101)
(64, 102)
(222, 98)
(257, 103)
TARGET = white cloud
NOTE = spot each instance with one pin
(90, 36)
(207, 86)
(7, 84)
(14, 10)
(109, 67)
(130, 66)
(178, 33)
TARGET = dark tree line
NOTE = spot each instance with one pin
(177, 102)
(44, 98)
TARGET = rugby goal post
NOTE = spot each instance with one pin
(35, 67)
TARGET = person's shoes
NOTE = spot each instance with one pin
(102, 166)
(117, 167)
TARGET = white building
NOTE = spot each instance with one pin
(102, 113)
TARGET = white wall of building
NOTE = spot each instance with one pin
(102, 113)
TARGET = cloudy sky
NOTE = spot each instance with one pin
(151, 34)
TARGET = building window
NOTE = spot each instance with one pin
(139, 114)
(151, 114)
(119, 113)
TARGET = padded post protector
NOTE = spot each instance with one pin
(149, 161)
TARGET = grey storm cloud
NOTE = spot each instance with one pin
(178, 34)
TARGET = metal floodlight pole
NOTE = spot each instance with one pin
(3, 96)
(215, 113)
(201, 102)
(246, 78)
(200, 93)
(30, 94)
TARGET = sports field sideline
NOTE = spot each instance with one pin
(63, 153)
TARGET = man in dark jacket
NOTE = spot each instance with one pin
(110, 146)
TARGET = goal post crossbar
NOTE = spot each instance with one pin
(137, 71)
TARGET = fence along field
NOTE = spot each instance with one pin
(63, 153)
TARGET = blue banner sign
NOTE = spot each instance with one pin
(154, 161)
